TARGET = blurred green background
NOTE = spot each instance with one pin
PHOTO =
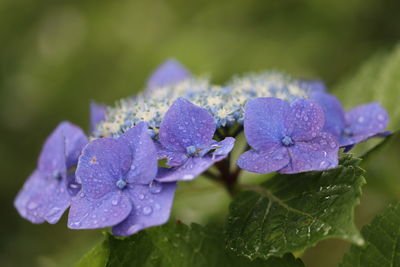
(56, 56)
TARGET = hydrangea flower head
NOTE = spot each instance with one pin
(355, 125)
(186, 140)
(118, 185)
(47, 192)
(224, 103)
(286, 137)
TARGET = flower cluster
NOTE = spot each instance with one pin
(116, 179)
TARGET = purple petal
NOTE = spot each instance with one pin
(75, 140)
(97, 114)
(102, 163)
(264, 161)
(144, 164)
(305, 120)
(174, 159)
(223, 147)
(42, 199)
(167, 73)
(334, 113)
(263, 122)
(320, 153)
(109, 210)
(52, 159)
(193, 167)
(185, 125)
(152, 207)
(312, 85)
(363, 122)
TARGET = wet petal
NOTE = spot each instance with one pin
(334, 113)
(152, 206)
(52, 159)
(223, 147)
(312, 86)
(103, 162)
(174, 159)
(320, 153)
(42, 199)
(97, 114)
(185, 125)
(365, 121)
(263, 122)
(167, 73)
(144, 155)
(305, 120)
(265, 161)
(75, 140)
(192, 168)
(109, 210)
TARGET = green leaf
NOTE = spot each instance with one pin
(175, 245)
(377, 80)
(96, 257)
(381, 165)
(290, 213)
(382, 238)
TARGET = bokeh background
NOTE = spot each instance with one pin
(56, 56)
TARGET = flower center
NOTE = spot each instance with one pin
(193, 151)
(56, 175)
(121, 183)
(347, 132)
(287, 141)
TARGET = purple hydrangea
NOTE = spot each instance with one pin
(47, 192)
(118, 185)
(171, 71)
(97, 114)
(355, 125)
(286, 137)
(186, 141)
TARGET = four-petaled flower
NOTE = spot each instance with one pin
(118, 185)
(47, 192)
(355, 125)
(186, 134)
(286, 137)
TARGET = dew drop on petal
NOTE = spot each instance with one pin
(133, 229)
(114, 201)
(188, 176)
(33, 205)
(52, 215)
(141, 196)
(147, 210)
(157, 206)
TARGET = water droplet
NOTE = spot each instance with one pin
(33, 205)
(361, 119)
(157, 206)
(52, 215)
(147, 210)
(114, 201)
(141, 196)
(155, 188)
(187, 177)
(133, 229)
